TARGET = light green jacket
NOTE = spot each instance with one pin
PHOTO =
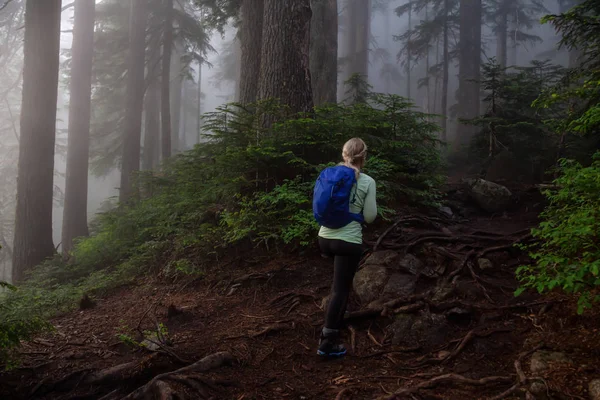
(364, 202)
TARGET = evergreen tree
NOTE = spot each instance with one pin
(76, 183)
(35, 186)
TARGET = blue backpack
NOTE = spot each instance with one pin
(331, 197)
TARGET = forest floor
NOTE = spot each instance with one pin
(262, 317)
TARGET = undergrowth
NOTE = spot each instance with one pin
(244, 184)
(567, 255)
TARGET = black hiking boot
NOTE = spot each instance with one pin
(330, 345)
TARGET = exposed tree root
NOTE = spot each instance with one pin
(391, 307)
(344, 394)
(449, 378)
(461, 346)
(412, 218)
(289, 301)
(276, 327)
(395, 350)
(160, 387)
(522, 379)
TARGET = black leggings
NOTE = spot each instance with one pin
(346, 259)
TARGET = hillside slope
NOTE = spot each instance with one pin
(265, 313)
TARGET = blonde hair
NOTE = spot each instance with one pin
(354, 154)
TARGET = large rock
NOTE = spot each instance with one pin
(542, 359)
(386, 275)
(411, 264)
(490, 196)
(430, 329)
(594, 389)
(426, 329)
(369, 282)
(400, 285)
(401, 329)
(383, 258)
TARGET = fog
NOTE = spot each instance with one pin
(386, 73)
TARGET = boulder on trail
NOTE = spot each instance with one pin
(489, 196)
(425, 328)
(386, 275)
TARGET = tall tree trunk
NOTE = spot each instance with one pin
(237, 46)
(251, 37)
(409, 56)
(324, 51)
(361, 29)
(446, 72)
(176, 94)
(285, 73)
(135, 97)
(151, 153)
(199, 100)
(152, 127)
(436, 102)
(78, 147)
(502, 34)
(165, 96)
(427, 66)
(388, 45)
(35, 184)
(469, 67)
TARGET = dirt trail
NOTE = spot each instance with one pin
(266, 315)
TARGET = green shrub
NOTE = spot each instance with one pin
(567, 255)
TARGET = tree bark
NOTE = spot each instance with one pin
(251, 33)
(409, 56)
(176, 94)
(445, 69)
(238, 65)
(502, 34)
(35, 184)
(135, 98)
(78, 148)
(285, 73)
(151, 153)
(469, 67)
(165, 97)
(360, 31)
(199, 105)
(324, 51)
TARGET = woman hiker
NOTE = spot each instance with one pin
(344, 198)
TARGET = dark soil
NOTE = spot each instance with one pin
(243, 309)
